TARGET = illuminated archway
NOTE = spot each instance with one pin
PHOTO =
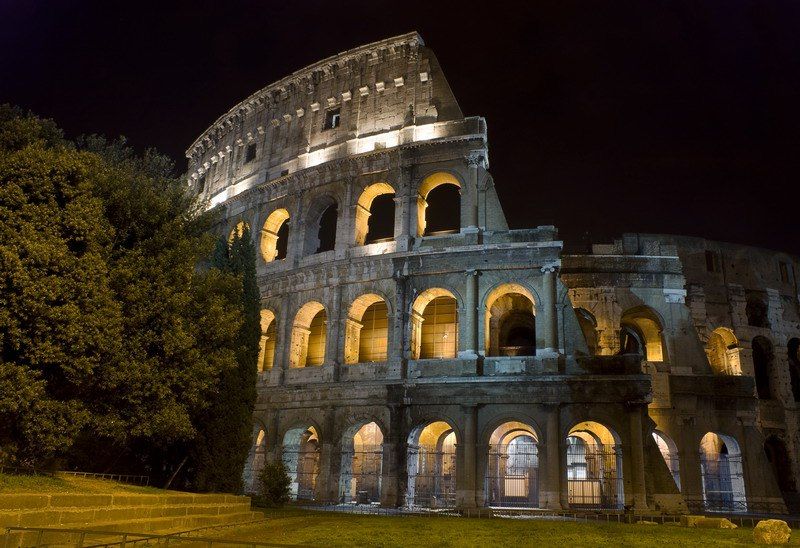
(641, 334)
(256, 458)
(274, 236)
(512, 475)
(430, 183)
(588, 325)
(594, 467)
(510, 321)
(362, 464)
(266, 345)
(364, 221)
(669, 451)
(320, 225)
(367, 330)
(434, 325)
(432, 466)
(723, 352)
(301, 451)
(309, 334)
(722, 473)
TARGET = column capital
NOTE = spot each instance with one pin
(550, 267)
(472, 272)
(475, 159)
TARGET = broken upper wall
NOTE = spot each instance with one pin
(738, 286)
(375, 96)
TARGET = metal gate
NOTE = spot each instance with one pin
(303, 467)
(512, 478)
(435, 480)
(723, 483)
(362, 474)
(594, 475)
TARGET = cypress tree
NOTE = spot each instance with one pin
(221, 449)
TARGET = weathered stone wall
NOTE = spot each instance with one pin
(621, 333)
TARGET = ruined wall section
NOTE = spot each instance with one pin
(351, 103)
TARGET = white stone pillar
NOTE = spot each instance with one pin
(471, 316)
(549, 309)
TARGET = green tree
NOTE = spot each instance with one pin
(59, 320)
(222, 446)
(112, 340)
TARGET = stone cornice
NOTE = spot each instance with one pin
(303, 78)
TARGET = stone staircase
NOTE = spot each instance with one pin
(131, 513)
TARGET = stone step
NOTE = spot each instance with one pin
(34, 502)
(77, 516)
(161, 525)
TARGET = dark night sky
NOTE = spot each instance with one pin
(650, 115)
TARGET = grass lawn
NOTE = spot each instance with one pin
(67, 484)
(297, 526)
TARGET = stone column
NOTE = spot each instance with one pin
(689, 463)
(469, 212)
(405, 201)
(637, 459)
(334, 351)
(398, 350)
(550, 483)
(283, 344)
(549, 309)
(394, 478)
(470, 343)
(465, 497)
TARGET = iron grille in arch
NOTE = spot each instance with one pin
(512, 478)
(594, 476)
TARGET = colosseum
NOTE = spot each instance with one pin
(417, 353)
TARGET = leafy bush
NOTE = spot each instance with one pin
(274, 481)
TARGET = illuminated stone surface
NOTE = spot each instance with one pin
(771, 531)
(469, 329)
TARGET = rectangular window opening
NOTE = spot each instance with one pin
(250, 154)
(711, 261)
(332, 118)
(784, 269)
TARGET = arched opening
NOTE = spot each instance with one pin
(588, 325)
(793, 349)
(309, 336)
(374, 219)
(640, 333)
(439, 204)
(510, 322)
(763, 358)
(512, 475)
(301, 448)
(238, 231)
(594, 467)
(362, 464)
(266, 345)
(723, 352)
(722, 474)
(669, 451)
(432, 466)
(367, 330)
(434, 325)
(257, 457)
(326, 235)
(778, 457)
(757, 312)
(275, 235)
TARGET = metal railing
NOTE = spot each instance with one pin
(85, 538)
(122, 478)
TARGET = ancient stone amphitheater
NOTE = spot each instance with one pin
(416, 352)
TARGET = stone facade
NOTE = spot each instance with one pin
(483, 366)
